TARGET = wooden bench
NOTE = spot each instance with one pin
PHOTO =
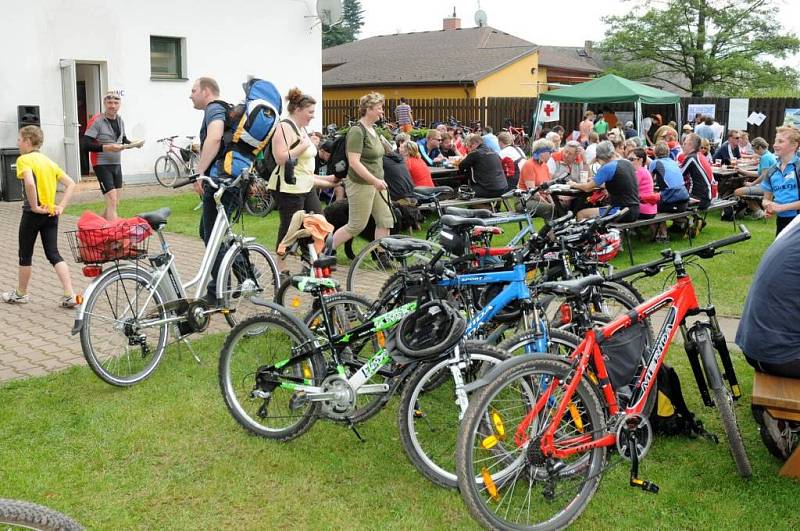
(781, 398)
(718, 204)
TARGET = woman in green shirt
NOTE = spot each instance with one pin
(367, 192)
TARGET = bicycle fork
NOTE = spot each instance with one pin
(709, 332)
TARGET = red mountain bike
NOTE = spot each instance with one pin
(533, 444)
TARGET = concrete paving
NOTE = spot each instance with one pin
(35, 337)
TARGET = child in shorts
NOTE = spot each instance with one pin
(40, 215)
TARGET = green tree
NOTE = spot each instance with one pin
(347, 30)
(702, 46)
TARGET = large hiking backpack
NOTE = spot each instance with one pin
(249, 126)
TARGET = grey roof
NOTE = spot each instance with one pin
(454, 56)
(571, 58)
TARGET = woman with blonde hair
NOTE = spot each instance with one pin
(419, 171)
(366, 190)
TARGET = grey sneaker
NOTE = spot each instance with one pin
(69, 301)
(758, 214)
(12, 297)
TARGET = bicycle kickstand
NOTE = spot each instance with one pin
(185, 341)
(645, 485)
(352, 426)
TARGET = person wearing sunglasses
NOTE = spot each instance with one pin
(729, 150)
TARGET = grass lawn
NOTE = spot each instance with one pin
(167, 455)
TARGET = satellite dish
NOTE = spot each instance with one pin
(480, 18)
(329, 11)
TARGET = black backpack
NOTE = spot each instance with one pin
(265, 165)
(671, 416)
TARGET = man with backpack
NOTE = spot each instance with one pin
(204, 96)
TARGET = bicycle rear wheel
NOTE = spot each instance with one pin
(504, 478)
(29, 515)
(251, 275)
(429, 414)
(263, 341)
(166, 171)
(259, 200)
(122, 337)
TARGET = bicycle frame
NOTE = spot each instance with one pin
(681, 301)
(357, 381)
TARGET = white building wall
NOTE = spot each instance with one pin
(270, 39)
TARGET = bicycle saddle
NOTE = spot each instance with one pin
(324, 261)
(569, 287)
(481, 213)
(397, 245)
(456, 221)
(427, 191)
(157, 218)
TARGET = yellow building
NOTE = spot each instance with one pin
(453, 62)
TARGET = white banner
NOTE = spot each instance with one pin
(738, 112)
(550, 112)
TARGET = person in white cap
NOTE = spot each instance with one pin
(107, 137)
(629, 131)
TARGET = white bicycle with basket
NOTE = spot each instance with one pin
(126, 311)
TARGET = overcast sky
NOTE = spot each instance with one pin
(566, 23)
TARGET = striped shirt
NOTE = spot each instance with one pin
(403, 114)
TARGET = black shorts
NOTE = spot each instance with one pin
(109, 176)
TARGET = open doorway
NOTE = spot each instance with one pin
(88, 81)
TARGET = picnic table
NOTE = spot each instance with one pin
(447, 176)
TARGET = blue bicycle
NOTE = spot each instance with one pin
(427, 419)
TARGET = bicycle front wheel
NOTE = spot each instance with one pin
(504, 477)
(724, 403)
(166, 171)
(255, 344)
(251, 275)
(429, 413)
(124, 332)
(29, 515)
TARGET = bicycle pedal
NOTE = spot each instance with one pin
(647, 486)
(298, 400)
(418, 414)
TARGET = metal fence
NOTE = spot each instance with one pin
(498, 112)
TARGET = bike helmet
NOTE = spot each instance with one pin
(434, 328)
(609, 246)
(465, 192)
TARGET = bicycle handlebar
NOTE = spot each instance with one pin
(226, 183)
(706, 251)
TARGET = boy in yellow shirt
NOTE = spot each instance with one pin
(40, 214)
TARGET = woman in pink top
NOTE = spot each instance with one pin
(648, 199)
(420, 173)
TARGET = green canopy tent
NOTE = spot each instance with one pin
(610, 89)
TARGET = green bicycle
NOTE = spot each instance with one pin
(346, 370)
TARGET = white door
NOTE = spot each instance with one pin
(70, 100)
